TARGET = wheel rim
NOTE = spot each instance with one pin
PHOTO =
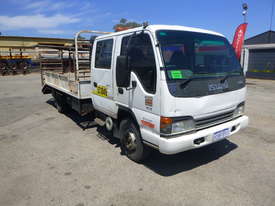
(130, 142)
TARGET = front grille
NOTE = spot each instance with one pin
(213, 120)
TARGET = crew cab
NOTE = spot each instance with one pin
(171, 88)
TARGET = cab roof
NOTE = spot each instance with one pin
(154, 28)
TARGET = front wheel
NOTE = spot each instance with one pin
(131, 142)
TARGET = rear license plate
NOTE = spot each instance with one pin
(221, 134)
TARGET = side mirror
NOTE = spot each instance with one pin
(123, 71)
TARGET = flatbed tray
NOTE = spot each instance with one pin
(67, 84)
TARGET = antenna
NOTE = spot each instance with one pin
(145, 24)
(271, 16)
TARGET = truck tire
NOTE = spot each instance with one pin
(60, 104)
(131, 142)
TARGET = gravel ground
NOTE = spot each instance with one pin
(46, 158)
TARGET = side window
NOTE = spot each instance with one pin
(142, 60)
(103, 56)
(123, 51)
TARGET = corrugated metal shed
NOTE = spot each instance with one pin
(259, 55)
(267, 37)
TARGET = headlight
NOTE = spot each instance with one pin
(170, 126)
(239, 111)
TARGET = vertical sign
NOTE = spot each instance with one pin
(239, 39)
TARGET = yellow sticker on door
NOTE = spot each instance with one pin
(101, 91)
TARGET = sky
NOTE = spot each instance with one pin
(63, 18)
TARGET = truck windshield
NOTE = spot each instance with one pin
(198, 64)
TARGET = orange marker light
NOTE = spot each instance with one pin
(165, 121)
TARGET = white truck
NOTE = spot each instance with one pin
(171, 88)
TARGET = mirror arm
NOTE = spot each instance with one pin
(134, 85)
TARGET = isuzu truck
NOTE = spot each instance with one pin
(170, 88)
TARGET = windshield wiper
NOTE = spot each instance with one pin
(225, 78)
(184, 84)
(229, 74)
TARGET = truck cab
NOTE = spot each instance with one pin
(171, 88)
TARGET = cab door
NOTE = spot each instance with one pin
(101, 76)
(144, 99)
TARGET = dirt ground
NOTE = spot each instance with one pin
(46, 158)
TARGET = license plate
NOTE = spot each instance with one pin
(221, 134)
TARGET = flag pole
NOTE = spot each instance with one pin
(245, 8)
(271, 16)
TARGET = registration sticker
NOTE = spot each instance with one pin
(180, 74)
(221, 134)
(176, 74)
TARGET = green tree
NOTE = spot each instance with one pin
(81, 37)
(124, 23)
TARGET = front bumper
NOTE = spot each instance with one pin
(186, 142)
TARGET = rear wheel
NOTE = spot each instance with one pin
(60, 103)
(131, 141)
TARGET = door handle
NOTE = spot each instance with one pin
(120, 90)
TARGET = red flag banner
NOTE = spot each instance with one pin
(239, 39)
